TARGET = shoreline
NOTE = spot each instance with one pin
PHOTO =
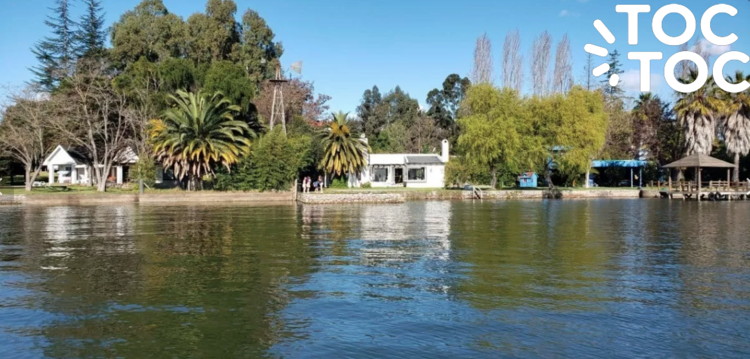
(328, 197)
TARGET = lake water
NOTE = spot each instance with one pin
(576, 279)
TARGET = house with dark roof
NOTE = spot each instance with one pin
(404, 170)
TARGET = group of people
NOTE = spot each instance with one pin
(317, 186)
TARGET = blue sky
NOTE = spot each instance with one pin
(348, 46)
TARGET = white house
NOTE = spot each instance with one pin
(68, 166)
(404, 170)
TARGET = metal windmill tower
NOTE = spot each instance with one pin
(278, 112)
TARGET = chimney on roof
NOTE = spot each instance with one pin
(445, 154)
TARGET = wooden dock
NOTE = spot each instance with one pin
(712, 191)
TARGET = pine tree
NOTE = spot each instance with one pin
(91, 34)
(55, 53)
(614, 68)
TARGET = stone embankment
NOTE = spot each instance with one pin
(332, 197)
(63, 199)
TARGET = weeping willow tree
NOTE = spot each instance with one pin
(572, 129)
(198, 133)
(735, 122)
(491, 136)
(698, 113)
(343, 150)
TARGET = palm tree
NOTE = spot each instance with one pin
(698, 112)
(197, 133)
(735, 122)
(344, 152)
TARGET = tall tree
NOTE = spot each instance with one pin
(367, 112)
(444, 102)
(56, 53)
(230, 80)
(698, 112)
(24, 134)
(648, 114)
(213, 36)
(259, 50)
(588, 76)
(425, 136)
(491, 136)
(513, 61)
(571, 129)
(400, 107)
(483, 64)
(540, 60)
(198, 134)
(149, 31)
(735, 122)
(378, 113)
(615, 68)
(563, 75)
(94, 117)
(91, 34)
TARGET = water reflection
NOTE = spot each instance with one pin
(428, 279)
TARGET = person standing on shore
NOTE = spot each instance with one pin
(320, 184)
(306, 184)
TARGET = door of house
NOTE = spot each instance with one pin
(399, 175)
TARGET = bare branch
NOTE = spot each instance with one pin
(540, 60)
(483, 67)
(23, 131)
(513, 61)
(95, 117)
(563, 75)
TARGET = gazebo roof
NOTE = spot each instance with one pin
(699, 160)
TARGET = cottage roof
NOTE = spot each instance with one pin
(699, 160)
(423, 160)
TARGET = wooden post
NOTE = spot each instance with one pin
(699, 183)
(729, 184)
(670, 183)
(729, 178)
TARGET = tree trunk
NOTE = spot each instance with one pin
(31, 176)
(548, 177)
(736, 176)
(102, 185)
(28, 178)
(194, 183)
(588, 174)
(101, 178)
(494, 177)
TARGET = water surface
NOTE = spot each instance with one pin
(577, 279)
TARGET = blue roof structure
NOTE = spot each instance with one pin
(619, 163)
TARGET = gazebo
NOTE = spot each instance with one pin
(700, 161)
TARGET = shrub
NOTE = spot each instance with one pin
(144, 169)
(273, 164)
(367, 185)
(339, 182)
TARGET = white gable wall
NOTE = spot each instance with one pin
(59, 157)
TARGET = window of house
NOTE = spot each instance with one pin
(380, 175)
(416, 174)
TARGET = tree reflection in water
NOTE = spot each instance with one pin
(600, 278)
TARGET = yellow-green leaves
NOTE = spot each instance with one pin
(343, 151)
(199, 132)
(517, 134)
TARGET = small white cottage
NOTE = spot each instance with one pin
(68, 166)
(404, 170)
